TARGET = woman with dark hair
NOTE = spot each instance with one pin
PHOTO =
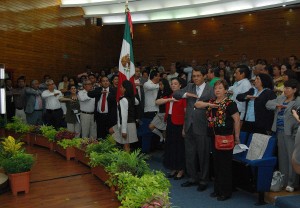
(223, 119)
(64, 84)
(73, 110)
(285, 126)
(114, 81)
(174, 156)
(125, 130)
(258, 119)
(158, 124)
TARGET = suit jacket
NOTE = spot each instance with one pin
(263, 116)
(111, 103)
(30, 98)
(195, 117)
(290, 123)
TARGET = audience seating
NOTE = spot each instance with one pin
(255, 175)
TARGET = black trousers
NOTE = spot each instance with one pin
(54, 117)
(222, 160)
(103, 124)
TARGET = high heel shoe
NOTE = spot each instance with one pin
(178, 177)
(172, 174)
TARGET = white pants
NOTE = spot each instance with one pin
(88, 126)
(76, 127)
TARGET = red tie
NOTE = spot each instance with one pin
(103, 100)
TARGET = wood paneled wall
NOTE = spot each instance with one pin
(38, 37)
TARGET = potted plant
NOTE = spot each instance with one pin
(65, 147)
(149, 190)
(16, 164)
(80, 151)
(47, 138)
(18, 129)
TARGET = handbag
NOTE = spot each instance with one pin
(223, 142)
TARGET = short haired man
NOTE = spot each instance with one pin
(87, 106)
(34, 104)
(105, 109)
(54, 113)
(197, 143)
(173, 72)
(241, 85)
(150, 91)
(213, 75)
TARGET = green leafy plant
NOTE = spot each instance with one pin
(49, 132)
(69, 142)
(18, 163)
(10, 147)
(64, 134)
(137, 192)
(104, 159)
(103, 146)
(86, 142)
(18, 125)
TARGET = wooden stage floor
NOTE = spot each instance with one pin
(56, 182)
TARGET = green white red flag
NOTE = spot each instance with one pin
(126, 62)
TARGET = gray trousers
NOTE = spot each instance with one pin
(197, 149)
(285, 152)
(88, 126)
(35, 118)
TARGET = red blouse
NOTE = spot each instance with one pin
(178, 111)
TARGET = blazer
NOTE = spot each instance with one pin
(178, 111)
(263, 116)
(111, 103)
(195, 117)
(30, 98)
(290, 123)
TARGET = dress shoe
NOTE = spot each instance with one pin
(179, 177)
(214, 194)
(202, 187)
(223, 198)
(188, 184)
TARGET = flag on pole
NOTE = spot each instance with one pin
(126, 62)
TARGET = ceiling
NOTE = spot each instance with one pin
(143, 11)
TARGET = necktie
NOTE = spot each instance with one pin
(103, 100)
(198, 91)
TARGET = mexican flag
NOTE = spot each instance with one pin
(126, 62)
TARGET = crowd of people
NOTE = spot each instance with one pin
(187, 107)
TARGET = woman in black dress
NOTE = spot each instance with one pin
(223, 119)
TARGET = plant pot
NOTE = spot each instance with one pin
(28, 138)
(14, 134)
(19, 182)
(68, 153)
(80, 155)
(100, 172)
(42, 141)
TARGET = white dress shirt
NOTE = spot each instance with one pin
(100, 102)
(239, 87)
(150, 90)
(52, 101)
(87, 104)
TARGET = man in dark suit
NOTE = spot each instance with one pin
(34, 104)
(197, 143)
(105, 107)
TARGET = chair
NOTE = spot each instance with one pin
(258, 172)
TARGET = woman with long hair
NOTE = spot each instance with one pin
(124, 132)
(174, 156)
(158, 124)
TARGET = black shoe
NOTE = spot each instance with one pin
(202, 187)
(188, 184)
(214, 194)
(179, 178)
(223, 198)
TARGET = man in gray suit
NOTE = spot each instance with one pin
(197, 143)
(34, 104)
